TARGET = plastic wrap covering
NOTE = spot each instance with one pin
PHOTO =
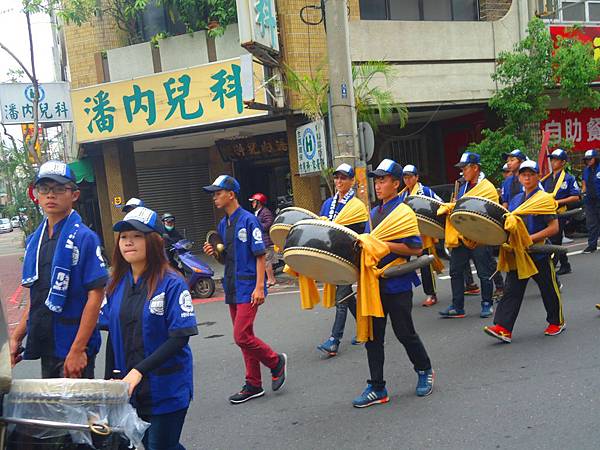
(74, 401)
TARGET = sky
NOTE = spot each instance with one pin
(14, 36)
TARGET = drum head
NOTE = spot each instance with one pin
(321, 266)
(279, 233)
(428, 227)
(478, 228)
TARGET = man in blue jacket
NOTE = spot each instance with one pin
(591, 200)
(245, 287)
(511, 186)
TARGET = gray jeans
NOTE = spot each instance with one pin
(341, 310)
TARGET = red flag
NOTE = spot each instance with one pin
(543, 162)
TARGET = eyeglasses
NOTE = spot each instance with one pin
(57, 189)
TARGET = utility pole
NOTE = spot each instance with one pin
(344, 132)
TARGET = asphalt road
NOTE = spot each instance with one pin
(537, 393)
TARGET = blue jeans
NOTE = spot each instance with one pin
(164, 431)
(459, 261)
(341, 310)
(592, 219)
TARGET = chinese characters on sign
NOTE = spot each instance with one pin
(581, 33)
(16, 103)
(199, 95)
(257, 24)
(312, 148)
(582, 128)
(259, 147)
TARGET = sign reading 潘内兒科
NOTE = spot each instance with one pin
(200, 95)
(16, 103)
(312, 148)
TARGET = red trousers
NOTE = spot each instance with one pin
(254, 350)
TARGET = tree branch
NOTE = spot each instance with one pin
(7, 50)
(36, 95)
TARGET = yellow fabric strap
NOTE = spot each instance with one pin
(561, 179)
(404, 189)
(429, 244)
(514, 256)
(400, 223)
(452, 237)
(354, 211)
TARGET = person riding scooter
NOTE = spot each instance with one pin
(170, 236)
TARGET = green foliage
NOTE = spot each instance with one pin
(196, 15)
(574, 69)
(374, 104)
(490, 149)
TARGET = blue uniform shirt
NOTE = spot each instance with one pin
(568, 188)
(403, 283)
(510, 188)
(50, 333)
(242, 235)
(326, 210)
(591, 176)
(533, 223)
(422, 190)
(168, 313)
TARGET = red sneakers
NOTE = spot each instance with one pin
(430, 301)
(499, 332)
(553, 330)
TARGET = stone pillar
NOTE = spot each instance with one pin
(115, 171)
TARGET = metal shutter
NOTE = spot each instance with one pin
(178, 190)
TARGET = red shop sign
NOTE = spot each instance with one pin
(582, 128)
(584, 34)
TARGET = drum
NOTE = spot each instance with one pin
(426, 208)
(284, 222)
(323, 251)
(65, 413)
(480, 220)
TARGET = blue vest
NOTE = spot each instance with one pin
(568, 188)
(169, 312)
(591, 176)
(243, 245)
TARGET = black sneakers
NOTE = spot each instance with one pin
(279, 373)
(247, 393)
(589, 249)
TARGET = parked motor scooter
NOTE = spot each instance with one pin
(197, 274)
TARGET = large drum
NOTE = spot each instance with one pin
(480, 220)
(323, 251)
(425, 208)
(64, 413)
(285, 220)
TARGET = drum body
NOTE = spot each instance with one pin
(480, 220)
(285, 220)
(323, 251)
(426, 208)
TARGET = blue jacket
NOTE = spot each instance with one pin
(568, 188)
(403, 283)
(510, 188)
(169, 312)
(591, 176)
(243, 243)
(422, 190)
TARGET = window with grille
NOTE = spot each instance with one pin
(457, 10)
(570, 10)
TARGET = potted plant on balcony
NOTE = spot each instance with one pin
(197, 15)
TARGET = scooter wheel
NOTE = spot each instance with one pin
(204, 288)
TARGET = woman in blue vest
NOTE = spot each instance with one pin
(150, 316)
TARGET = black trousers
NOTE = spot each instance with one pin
(398, 307)
(428, 278)
(54, 367)
(557, 239)
(514, 290)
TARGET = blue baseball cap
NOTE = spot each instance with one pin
(223, 182)
(589, 154)
(345, 169)
(529, 165)
(516, 153)
(141, 219)
(56, 171)
(387, 167)
(468, 158)
(132, 203)
(559, 153)
(409, 169)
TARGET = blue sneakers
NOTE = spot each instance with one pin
(486, 310)
(425, 382)
(330, 346)
(354, 341)
(452, 313)
(370, 397)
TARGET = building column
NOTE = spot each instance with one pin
(116, 178)
(306, 190)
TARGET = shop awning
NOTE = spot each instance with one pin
(83, 170)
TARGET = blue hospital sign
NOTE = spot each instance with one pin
(312, 148)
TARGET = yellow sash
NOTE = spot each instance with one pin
(400, 223)
(429, 244)
(561, 179)
(514, 256)
(483, 189)
(354, 211)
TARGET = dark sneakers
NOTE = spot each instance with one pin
(279, 373)
(589, 249)
(247, 393)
